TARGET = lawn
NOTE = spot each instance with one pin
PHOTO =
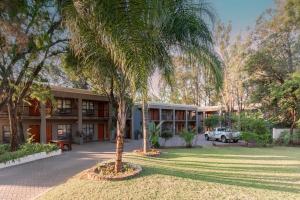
(202, 173)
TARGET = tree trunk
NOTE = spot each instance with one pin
(20, 128)
(145, 124)
(121, 122)
(292, 126)
(12, 115)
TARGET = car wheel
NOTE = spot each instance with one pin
(235, 141)
(206, 137)
(223, 138)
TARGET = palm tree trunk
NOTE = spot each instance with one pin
(145, 124)
(12, 115)
(121, 121)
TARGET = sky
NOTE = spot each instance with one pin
(242, 13)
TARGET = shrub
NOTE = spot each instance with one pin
(188, 137)
(254, 129)
(27, 149)
(166, 135)
(285, 138)
(154, 133)
(4, 148)
(212, 121)
(154, 139)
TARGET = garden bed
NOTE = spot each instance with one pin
(105, 171)
(150, 152)
(26, 153)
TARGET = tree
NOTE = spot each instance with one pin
(293, 10)
(287, 99)
(183, 27)
(30, 36)
(274, 57)
(108, 36)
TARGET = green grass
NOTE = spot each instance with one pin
(207, 173)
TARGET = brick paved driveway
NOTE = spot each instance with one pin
(29, 180)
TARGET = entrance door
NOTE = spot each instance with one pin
(48, 132)
(101, 132)
(35, 132)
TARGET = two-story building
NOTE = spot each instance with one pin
(175, 117)
(79, 115)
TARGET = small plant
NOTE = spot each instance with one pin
(188, 137)
(154, 131)
(154, 139)
(4, 148)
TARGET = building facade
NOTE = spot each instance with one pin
(175, 117)
(79, 115)
(82, 116)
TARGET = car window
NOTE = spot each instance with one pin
(221, 129)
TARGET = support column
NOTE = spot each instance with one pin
(186, 119)
(174, 126)
(132, 122)
(79, 128)
(204, 117)
(197, 122)
(43, 134)
(160, 119)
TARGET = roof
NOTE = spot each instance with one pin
(66, 92)
(169, 106)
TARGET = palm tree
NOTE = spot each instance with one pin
(127, 40)
(181, 26)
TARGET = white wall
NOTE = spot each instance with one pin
(278, 131)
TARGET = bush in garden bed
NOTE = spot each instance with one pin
(4, 148)
(25, 150)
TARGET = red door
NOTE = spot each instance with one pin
(101, 131)
(48, 132)
(34, 130)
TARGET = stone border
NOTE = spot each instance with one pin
(29, 158)
(148, 154)
(90, 174)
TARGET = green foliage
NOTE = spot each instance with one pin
(166, 135)
(154, 139)
(188, 137)
(154, 131)
(212, 121)
(4, 148)
(25, 150)
(255, 129)
(286, 138)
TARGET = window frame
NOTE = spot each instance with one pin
(64, 106)
(88, 130)
(88, 107)
(4, 138)
(66, 131)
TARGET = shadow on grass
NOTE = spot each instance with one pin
(255, 176)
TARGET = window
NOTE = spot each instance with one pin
(6, 134)
(88, 107)
(64, 106)
(64, 131)
(88, 131)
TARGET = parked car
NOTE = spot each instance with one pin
(223, 134)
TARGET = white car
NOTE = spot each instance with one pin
(223, 134)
